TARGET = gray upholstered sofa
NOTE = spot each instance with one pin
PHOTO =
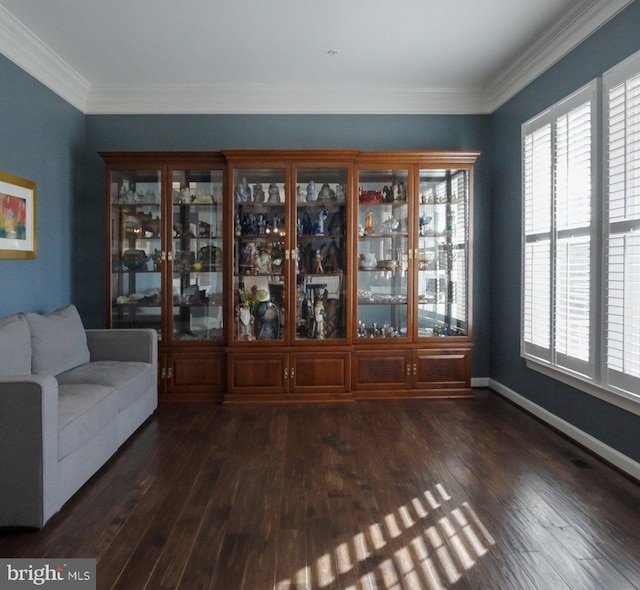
(69, 397)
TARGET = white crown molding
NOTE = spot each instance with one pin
(281, 99)
(582, 19)
(25, 49)
(22, 47)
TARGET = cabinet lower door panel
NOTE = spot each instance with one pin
(194, 376)
(443, 371)
(256, 374)
(320, 372)
(380, 371)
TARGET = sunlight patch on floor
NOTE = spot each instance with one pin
(423, 544)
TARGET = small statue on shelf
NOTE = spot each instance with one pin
(258, 193)
(268, 321)
(341, 195)
(317, 326)
(311, 191)
(242, 191)
(317, 268)
(331, 263)
(262, 263)
(249, 224)
(262, 225)
(274, 193)
(388, 194)
(244, 322)
(318, 228)
(368, 223)
(204, 230)
(326, 193)
(337, 226)
(307, 225)
(277, 224)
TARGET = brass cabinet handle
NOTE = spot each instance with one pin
(169, 373)
(286, 373)
(415, 369)
(292, 373)
(408, 369)
(163, 373)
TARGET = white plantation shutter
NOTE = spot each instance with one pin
(558, 293)
(581, 238)
(622, 226)
(573, 194)
(572, 309)
(537, 189)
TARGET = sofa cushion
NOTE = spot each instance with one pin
(15, 346)
(130, 379)
(83, 411)
(58, 341)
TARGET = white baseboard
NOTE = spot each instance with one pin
(596, 446)
(480, 382)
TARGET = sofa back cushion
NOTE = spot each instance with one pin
(15, 346)
(58, 341)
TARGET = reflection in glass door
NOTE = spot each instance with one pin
(197, 279)
(136, 266)
(442, 253)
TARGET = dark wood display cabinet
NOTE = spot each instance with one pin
(412, 333)
(289, 214)
(302, 275)
(165, 249)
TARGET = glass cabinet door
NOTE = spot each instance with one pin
(321, 267)
(136, 222)
(259, 205)
(442, 253)
(197, 252)
(383, 263)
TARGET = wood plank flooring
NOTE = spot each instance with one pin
(377, 495)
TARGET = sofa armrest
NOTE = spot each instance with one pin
(133, 344)
(28, 450)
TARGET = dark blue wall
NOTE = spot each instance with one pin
(41, 139)
(212, 132)
(609, 45)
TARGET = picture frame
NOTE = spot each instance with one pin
(17, 217)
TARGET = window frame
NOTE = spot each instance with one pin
(550, 356)
(596, 382)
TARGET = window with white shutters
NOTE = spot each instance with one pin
(622, 226)
(581, 238)
(558, 188)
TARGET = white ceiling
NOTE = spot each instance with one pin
(253, 56)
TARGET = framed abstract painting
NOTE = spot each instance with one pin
(17, 217)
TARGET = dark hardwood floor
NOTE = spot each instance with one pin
(401, 494)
